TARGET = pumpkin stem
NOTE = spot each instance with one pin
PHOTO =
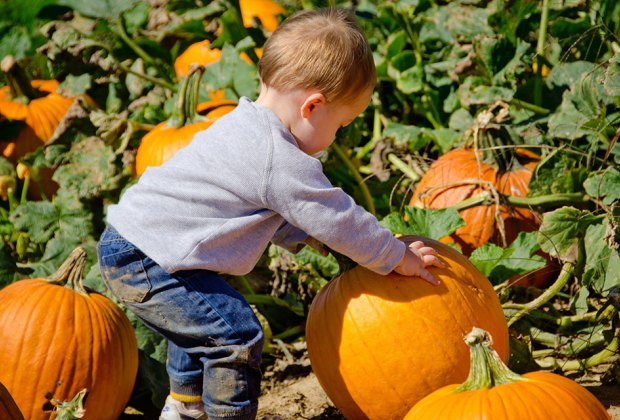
(490, 135)
(71, 410)
(185, 110)
(19, 83)
(487, 369)
(70, 271)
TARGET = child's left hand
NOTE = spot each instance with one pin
(417, 257)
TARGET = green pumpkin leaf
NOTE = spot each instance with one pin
(409, 136)
(604, 185)
(500, 264)
(561, 230)
(612, 77)
(105, 9)
(90, 170)
(602, 261)
(430, 223)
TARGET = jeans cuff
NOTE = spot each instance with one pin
(186, 392)
(246, 413)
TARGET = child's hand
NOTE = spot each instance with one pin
(417, 257)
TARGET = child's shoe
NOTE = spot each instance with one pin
(177, 410)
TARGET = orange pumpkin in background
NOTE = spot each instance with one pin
(492, 391)
(463, 173)
(57, 338)
(168, 137)
(265, 10)
(378, 344)
(491, 163)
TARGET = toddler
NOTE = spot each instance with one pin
(213, 208)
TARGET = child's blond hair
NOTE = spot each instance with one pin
(323, 49)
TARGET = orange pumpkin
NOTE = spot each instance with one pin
(57, 338)
(492, 391)
(8, 408)
(463, 173)
(265, 10)
(378, 344)
(168, 137)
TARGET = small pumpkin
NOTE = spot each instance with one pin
(57, 338)
(266, 11)
(467, 172)
(492, 391)
(8, 408)
(378, 344)
(168, 137)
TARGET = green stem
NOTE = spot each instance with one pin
(25, 187)
(185, 109)
(543, 201)
(486, 367)
(154, 80)
(376, 135)
(130, 42)
(370, 205)
(581, 364)
(565, 275)
(542, 33)
(530, 107)
(69, 274)
(403, 167)
(155, 62)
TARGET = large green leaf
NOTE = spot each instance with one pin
(500, 264)
(90, 169)
(561, 231)
(602, 264)
(430, 223)
(105, 9)
(604, 185)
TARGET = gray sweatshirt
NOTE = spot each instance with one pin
(217, 203)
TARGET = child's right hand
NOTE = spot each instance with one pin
(417, 257)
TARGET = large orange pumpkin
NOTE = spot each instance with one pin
(492, 391)
(57, 338)
(378, 344)
(168, 137)
(463, 173)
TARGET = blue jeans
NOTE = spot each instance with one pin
(214, 338)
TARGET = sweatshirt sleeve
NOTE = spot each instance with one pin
(295, 186)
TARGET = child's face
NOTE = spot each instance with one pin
(321, 120)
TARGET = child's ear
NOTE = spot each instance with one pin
(311, 103)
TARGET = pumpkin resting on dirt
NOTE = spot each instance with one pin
(378, 344)
(492, 391)
(58, 339)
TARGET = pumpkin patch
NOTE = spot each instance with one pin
(492, 134)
